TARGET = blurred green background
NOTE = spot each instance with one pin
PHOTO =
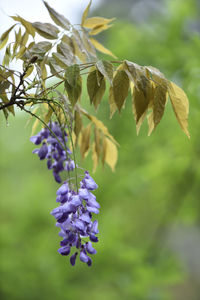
(149, 246)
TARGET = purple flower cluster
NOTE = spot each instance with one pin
(52, 149)
(74, 218)
(74, 215)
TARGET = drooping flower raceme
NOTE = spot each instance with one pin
(74, 215)
(74, 218)
(52, 149)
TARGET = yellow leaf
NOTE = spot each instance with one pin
(97, 138)
(111, 154)
(48, 115)
(113, 106)
(97, 29)
(101, 48)
(150, 123)
(85, 13)
(94, 158)
(180, 105)
(35, 125)
(85, 140)
(104, 150)
(96, 21)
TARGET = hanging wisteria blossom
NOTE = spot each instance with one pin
(74, 215)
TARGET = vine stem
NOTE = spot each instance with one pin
(72, 143)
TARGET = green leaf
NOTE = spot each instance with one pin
(65, 50)
(4, 85)
(4, 42)
(159, 95)
(5, 36)
(67, 40)
(24, 38)
(79, 48)
(142, 97)
(46, 30)
(96, 87)
(55, 68)
(29, 71)
(6, 59)
(26, 24)
(73, 83)
(5, 100)
(106, 69)
(180, 106)
(120, 88)
(88, 45)
(72, 74)
(39, 49)
(21, 52)
(60, 59)
(159, 101)
(59, 19)
(77, 123)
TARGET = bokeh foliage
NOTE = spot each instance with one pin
(155, 187)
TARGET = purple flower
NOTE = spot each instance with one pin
(54, 149)
(69, 165)
(63, 189)
(73, 258)
(90, 249)
(74, 217)
(88, 182)
(74, 213)
(42, 153)
(64, 250)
